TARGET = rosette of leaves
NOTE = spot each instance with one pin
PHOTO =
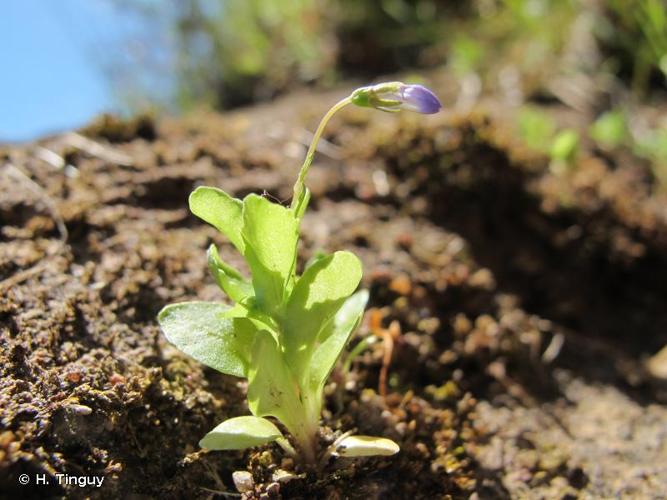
(284, 332)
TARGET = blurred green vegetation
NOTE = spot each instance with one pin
(235, 52)
(231, 52)
(227, 53)
(564, 146)
(653, 147)
(536, 128)
(610, 129)
(634, 35)
(603, 59)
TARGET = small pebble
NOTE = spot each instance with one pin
(401, 284)
(273, 490)
(282, 476)
(80, 409)
(657, 364)
(243, 481)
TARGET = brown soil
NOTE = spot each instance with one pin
(487, 260)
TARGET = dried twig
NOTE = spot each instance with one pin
(44, 196)
(22, 177)
(388, 336)
(554, 348)
(221, 492)
(96, 149)
(56, 161)
(50, 157)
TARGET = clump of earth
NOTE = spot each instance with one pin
(529, 307)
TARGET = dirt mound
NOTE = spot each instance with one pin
(527, 304)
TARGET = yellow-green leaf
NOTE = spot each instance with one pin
(270, 234)
(220, 210)
(333, 339)
(228, 278)
(317, 296)
(366, 446)
(200, 330)
(239, 433)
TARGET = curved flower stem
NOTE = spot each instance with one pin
(299, 187)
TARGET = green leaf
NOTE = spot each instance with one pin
(610, 129)
(334, 338)
(318, 255)
(536, 128)
(316, 297)
(564, 146)
(270, 233)
(366, 446)
(228, 278)
(261, 320)
(239, 433)
(272, 388)
(221, 211)
(200, 330)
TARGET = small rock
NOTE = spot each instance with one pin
(80, 409)
(462, 325)
(116, 378)
(266, 458)
(404, 240)
(243, 481)
(273, 490)
(401, 284)
(429, 325)
(282, 476)
(482, 278)
(657, 364)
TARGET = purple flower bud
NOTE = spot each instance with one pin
(420, 99)
(395, 96)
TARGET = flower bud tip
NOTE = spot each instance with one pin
(395, 96)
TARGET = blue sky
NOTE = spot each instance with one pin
(55, 57)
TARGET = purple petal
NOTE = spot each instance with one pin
(420, 99)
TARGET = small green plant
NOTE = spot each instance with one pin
(610, 129)
(536, 128)
(634, 34)
(652, 145)
(564, 146)
(285, 332)
(563, 151)
(466, 55)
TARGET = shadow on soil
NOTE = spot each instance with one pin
(563, 266)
